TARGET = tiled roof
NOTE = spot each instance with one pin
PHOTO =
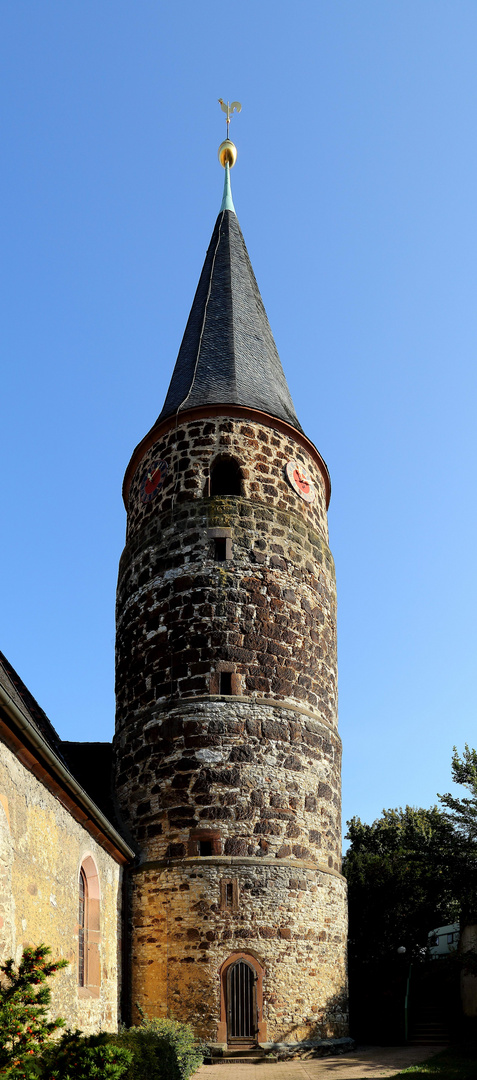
(228, 355)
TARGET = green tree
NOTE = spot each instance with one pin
(24, 1022)
(463, 812)
(405, 874)
(408, 872)
(462, 815)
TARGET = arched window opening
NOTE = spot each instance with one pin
(82, 923)
(225, 477)
(89, 937)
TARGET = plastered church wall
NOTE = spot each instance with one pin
(41, 850)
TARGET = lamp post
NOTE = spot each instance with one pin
(402, 952)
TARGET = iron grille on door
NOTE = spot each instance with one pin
(242, 1007)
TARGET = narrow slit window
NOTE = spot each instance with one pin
(225, 682)
(205, 847)
(220, 549)
(229, 894)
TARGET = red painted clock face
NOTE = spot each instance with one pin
(300, 481)
(153, 480)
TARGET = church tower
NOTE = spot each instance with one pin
(226, 747)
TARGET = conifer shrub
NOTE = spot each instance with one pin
(157, 1050)
(24, 999)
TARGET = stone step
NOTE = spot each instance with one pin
(429, 1034)
(239, 1056)
(241, 1061)
(426, 1041)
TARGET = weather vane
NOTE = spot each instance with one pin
(229, 109)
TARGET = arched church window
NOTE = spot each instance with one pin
(83, 900)
(225, 477)
(89, 936)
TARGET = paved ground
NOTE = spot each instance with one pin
(365, 1063)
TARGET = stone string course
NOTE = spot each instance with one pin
(258, 771)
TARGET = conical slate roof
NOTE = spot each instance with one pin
(228, 355)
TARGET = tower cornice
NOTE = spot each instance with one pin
(234, 862)
(238, 411)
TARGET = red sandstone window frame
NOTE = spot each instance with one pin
(224, 667)
(229, 894)
(198, 836)
(89, 929)
(221, 542)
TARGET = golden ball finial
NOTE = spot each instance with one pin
(227, 153)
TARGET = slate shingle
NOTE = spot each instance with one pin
(228, 355)
(19, 694)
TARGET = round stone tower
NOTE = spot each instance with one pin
(226, 747)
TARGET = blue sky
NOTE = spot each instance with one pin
(355, 188)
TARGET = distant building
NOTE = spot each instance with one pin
(443, 940)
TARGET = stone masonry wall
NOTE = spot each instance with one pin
(41, 851)
(189, 448)
(269, 611)
(291, 918)
(247, 778)
(266, 779)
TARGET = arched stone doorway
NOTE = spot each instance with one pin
(241, 1001)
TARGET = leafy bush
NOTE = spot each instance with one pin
(83, 1057)
(162, 1050)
